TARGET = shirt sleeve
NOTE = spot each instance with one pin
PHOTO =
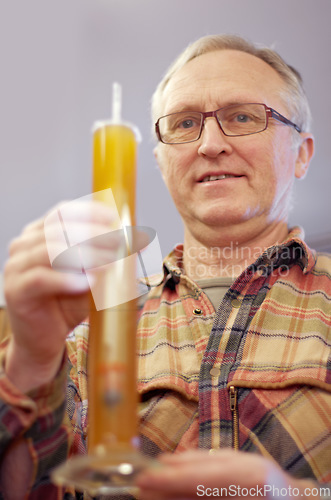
(37, 417)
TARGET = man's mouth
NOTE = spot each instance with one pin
(217, 177)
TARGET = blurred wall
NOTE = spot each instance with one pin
(58, 62)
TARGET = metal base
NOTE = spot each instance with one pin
(102, 475)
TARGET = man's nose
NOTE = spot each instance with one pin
(213, 141)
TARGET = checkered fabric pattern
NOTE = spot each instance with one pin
(270, 339)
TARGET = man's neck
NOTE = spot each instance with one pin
(228, 257)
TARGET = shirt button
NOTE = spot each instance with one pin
(215, 372)
(236, 303)
(197, 311)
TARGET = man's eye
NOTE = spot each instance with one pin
(242, 118)
(187, 123)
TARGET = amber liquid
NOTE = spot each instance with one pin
(112, 343)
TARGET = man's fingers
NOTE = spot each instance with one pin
(44, 282)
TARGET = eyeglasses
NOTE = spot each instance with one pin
(234, 120)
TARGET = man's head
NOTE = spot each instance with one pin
(232, 185)
(293, 93)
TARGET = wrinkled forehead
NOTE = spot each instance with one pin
(221, 77)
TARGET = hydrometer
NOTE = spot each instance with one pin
(113, 458)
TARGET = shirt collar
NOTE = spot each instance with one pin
(293, 250)
(302, 255)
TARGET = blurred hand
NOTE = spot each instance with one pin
(197, 473)
(45, 302)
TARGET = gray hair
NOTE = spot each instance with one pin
(294, 95)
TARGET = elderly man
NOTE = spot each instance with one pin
(234, 341)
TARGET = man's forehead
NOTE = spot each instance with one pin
(225, 72)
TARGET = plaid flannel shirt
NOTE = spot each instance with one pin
(255, 374)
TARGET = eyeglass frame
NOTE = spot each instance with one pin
(270, 113)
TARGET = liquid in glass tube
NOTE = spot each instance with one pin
(113, 460)
(112, 340)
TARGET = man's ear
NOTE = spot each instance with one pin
(305, 154)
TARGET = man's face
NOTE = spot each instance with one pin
(263, 165)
